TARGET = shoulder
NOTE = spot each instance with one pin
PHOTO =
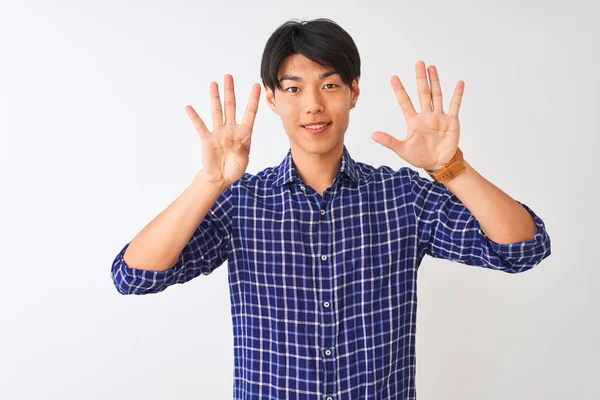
(255, 182)
(385, 175)
(406, 184)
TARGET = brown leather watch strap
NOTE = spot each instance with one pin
(454, 167)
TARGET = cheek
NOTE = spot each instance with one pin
(342, 111)
(288, 113)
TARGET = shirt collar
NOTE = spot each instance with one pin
(286, 171)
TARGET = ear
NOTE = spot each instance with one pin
(270, 97)
(355, 92)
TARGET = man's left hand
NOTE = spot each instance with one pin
(432, 136)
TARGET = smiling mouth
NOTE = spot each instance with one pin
(321, 128)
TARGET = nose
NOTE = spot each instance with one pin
(314, 103)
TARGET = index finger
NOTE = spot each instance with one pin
(215, 105)
(405, 103)
(197, 121)
(252, 107)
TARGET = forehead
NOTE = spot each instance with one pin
(300, 65)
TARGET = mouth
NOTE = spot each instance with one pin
(317, 128)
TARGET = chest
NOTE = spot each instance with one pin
(290, 232)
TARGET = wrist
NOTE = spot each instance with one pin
(434, 170)
(439, 167)
(450, 170)
(219, 185)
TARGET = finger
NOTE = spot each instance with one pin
(229, 100)
(215, 106)
(457, 99)
(423, 87)
(198, 123)
(239, 149)
(387, 140)
(405, 103)
(252, 107)
(436, 89)
(246, 143)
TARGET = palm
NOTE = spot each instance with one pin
(431, 139)
(432, 136)
(219, 161)
(225, 151)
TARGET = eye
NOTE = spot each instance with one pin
(296, 91)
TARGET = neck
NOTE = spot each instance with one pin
(318, 170)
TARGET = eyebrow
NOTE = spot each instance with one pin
(298, 79)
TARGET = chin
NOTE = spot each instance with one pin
(320, 147)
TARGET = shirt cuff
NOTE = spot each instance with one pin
(137, 281)
(523, 255)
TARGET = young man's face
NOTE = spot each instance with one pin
(311, 96)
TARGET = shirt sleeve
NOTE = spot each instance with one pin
(446, 229)
(206, 250)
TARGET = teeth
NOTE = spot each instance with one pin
(316, 126)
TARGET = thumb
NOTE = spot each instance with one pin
(387, 140)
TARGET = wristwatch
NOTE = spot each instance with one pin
(454, 167)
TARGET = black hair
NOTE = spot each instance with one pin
(320, 40)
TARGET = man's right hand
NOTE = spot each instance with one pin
(225, 150)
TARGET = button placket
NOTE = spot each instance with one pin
(327, 275)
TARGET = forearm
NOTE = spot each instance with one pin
(158, 246)
(502, 218)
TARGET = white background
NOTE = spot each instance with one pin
(95, 142)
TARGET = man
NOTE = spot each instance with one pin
(322, 250)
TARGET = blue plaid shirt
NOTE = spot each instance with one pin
(324, 288)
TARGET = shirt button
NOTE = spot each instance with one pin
(326, 304)
(330, 398)
(302, 188)
(322, 212)
(323, 258)
(327, 352)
